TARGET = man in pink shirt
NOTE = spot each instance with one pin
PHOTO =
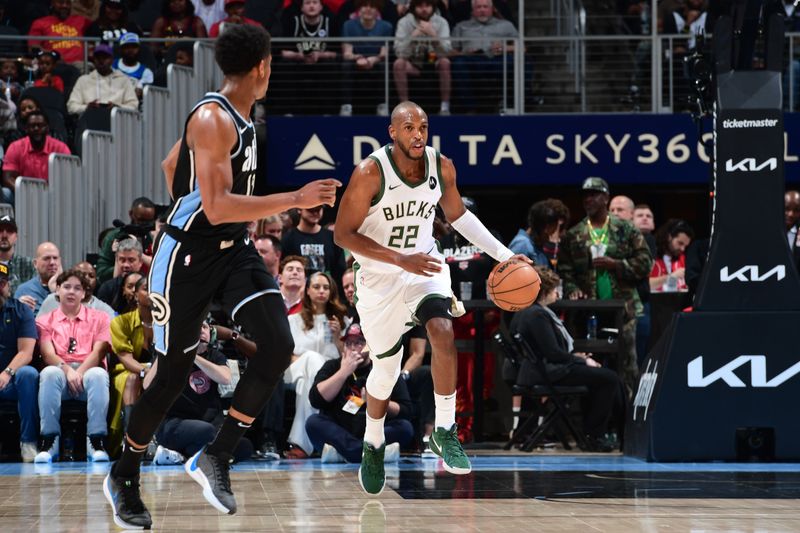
(74, 340)
(28, 156)
(60, 24)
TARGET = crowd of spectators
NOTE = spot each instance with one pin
(84, 333)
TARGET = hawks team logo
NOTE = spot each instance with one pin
(160, 308)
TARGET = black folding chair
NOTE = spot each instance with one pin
(553, 399)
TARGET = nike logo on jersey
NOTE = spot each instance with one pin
(393, 188)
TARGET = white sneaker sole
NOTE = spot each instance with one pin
(365, 490)
(117, 520)
(201, 479)
(455, 469)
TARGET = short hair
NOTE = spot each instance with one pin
(549, 280)
(73, 273)
(240, 48)
(127, 245)
(143, 201)
(414, 3)
(38, 113)
(377, 4)
(289, 258)
(642, 206)
(276, 242)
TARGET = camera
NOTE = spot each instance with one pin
(137, 230)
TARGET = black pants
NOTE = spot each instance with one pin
(322, 429)
(604, 391)
(188, 436)
(420, 388)
(184, 278)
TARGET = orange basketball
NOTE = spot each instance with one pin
(513, 285)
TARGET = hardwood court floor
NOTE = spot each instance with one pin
(544, 493)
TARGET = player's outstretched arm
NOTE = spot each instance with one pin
(468, 224)
(211, 135)
(365, 184)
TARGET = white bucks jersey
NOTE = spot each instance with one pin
(401, 215)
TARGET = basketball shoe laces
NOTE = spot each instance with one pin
(373, 463)
(131, 498)
(221, 473)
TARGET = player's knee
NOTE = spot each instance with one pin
(382, 377)
(439, 330)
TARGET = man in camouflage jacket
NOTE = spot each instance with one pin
(604, 257)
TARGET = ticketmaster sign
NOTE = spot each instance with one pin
(527, 150)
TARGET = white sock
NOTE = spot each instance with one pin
(516, 411)
(445, 410)
(374, 432)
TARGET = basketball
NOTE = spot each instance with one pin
(513, 285)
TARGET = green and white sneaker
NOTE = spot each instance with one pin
(445, 444)
(371, 474)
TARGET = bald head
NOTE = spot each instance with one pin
(47, 261)
(791, 208)
(406, 111)
(622, 207)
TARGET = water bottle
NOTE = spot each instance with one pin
(591, 327)
(671, 284)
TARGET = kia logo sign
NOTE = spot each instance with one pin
(751, 273)
(749, 164)
(758, 373)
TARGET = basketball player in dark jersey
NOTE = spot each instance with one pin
(203, 252)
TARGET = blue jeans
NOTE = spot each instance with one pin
(322, 429)
(53, 389)
(23, 387)
(188, 436)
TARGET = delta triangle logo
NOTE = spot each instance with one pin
(314, 156)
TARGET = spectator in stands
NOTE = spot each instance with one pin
(89, 300)
(622, 207)
(349, 291)
(669, 266)
(309, 57)
(209, 11)
(195, 417)
(644, 221)
(28, 156)
(125, 299)
(339, 394)
(48, 266)
(270, 225)
(269, 248)
(60, 24)
(183, 56)
(235, 15)
(112, 22)
(177, 21)
(481, 46)
(46, 62)
(131, 340)
(548, 338)
(129, 63)
(419, 382)
(19, 381)
(10, 78)
(73, 341)
(310, 240)
(8, 111)
(128, 258)
(316, 331)
(414, 56)
(362, 60)
(293, 282)
(142, 215)
(27, 105)
(603, 257)
(791, 211)
(87, 8)
(546, 223)
(103, 87)
(20, 267)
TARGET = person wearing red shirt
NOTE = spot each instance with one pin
(46, 62)
(28, 156)
(60, 24)
(669, 265)
(235, 11)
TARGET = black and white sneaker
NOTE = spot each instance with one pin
(212, 473)
(126, 502)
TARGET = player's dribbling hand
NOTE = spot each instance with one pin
(318, 192)
(420, 263)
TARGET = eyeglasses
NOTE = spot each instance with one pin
(73, 345)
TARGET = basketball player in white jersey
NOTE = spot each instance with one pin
(386, 221)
